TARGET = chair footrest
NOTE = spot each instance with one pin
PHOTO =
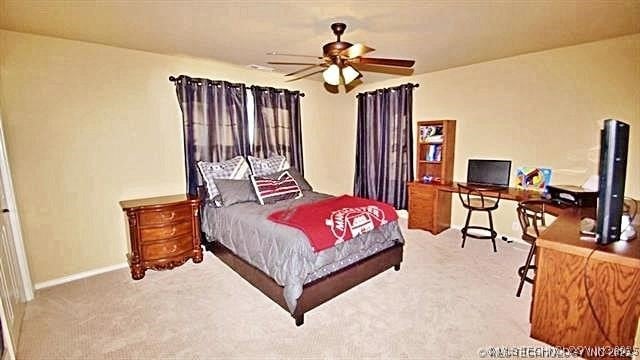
(465, 232)
(522, 274)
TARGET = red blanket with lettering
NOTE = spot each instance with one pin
(332, 221)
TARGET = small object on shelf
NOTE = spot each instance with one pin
(431, 134)
(164, 232)
(431, 180)
(436, 139)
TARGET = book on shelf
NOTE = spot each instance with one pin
(434, 153)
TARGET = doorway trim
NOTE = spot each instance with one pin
(14, 218)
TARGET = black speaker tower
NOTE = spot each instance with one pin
(614, 145)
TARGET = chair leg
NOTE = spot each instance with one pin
(493, 232)
(527, 266)
(464, 229)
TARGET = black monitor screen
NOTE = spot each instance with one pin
(489, 172)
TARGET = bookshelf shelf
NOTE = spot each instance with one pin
(430, 142)
(429, 162)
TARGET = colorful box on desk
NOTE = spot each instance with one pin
(572, 195)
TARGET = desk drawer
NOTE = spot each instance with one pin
(166, 232)
(165, 216)
(167, 249)
(421, 208)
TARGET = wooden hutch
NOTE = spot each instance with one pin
(430, 209)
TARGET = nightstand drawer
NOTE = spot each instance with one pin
(164, 216)
(165, 232)
(167, 249)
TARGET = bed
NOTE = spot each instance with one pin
(279, 261)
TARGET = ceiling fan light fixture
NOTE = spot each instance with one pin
(349, 74)
(332, 75)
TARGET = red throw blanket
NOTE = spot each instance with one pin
(332, 221)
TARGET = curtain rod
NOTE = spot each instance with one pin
(174, 79)
(394, 87)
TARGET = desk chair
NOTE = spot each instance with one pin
(531, 217)
(474, 199)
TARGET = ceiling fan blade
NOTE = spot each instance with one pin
(356, 50)
(385, 62)
(383, 69)
(306, 75)
(306, 68)
(296, 55)
(288, 63)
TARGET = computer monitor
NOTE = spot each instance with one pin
(488, 172)
(614, 147)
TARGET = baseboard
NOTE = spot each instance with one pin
(78, 276)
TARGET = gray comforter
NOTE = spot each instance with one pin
(283, 252)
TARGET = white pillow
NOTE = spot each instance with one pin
(235, 169)
(262, 167)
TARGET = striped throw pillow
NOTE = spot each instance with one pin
(275, 163)
(270, 191)
(235, 168)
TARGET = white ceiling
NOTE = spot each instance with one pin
(437, 34)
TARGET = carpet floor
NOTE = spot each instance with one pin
(445, 302)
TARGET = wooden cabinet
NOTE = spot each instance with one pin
(430, 208)
(164, 232)
(585, 295)
(421, 202)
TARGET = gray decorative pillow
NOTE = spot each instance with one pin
(235, 191)
(302, 182)
(236, 168)
(262, 167)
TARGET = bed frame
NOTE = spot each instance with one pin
(317, 291)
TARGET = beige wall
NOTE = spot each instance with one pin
(88, 125)
(539, 109)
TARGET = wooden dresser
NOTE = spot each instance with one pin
(164, 232)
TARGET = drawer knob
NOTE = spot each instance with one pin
(173, 248)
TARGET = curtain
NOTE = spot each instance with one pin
(277, 124)
(214, 118)
(384, 145)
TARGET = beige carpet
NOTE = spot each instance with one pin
(445, 302)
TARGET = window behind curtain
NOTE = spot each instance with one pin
(277, 124)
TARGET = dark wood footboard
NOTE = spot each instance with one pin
(318, 291)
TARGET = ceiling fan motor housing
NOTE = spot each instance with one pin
(333, 49)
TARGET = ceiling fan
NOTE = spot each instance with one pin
(341, 62)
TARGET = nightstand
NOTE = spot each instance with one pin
(164, 232)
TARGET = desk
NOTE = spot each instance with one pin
(560, 312)
(430, 204)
